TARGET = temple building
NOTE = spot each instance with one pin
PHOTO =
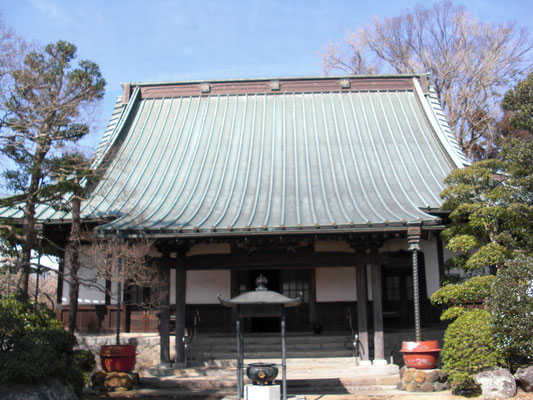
(325, 186)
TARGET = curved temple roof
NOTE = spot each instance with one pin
(272, 160)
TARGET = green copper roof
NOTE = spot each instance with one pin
(273, 161)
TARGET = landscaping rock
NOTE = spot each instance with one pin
(401, 385)
(53, 390)
(114, 381)
(439, 387)
(417, 380)
(427, 387)
(433, 376)
(408, 375)
(420, 376)
(524, 378)
(496, 384)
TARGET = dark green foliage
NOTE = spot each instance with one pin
(83, 364)
(84, 360)
(46, 112)
(34, 346)
(469, 347)
(519, 101)
(459, 296)
(491, 205)
(45, 109)
(474, 290)
(17, 319)
(511, 306)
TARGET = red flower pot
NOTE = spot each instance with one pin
(421, 355)
(117, 358)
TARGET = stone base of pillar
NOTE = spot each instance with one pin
(379, 362)
(257, 392)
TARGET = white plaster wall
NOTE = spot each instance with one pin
(85, 295)
(431, 262)
(335, 284)
(202, 287)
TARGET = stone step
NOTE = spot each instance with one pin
(261, 347)
(270, 338)
(301, 385)
(214, 355)
(296, 367)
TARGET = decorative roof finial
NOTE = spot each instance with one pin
(261, 282)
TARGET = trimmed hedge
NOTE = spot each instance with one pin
(469, 347)
(473, 290)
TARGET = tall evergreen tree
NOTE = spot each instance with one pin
(46, 112)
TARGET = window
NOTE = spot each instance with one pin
(295, 281)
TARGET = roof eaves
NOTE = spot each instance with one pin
(310, 78)
(109, 140)
(439, 123)
(435, 224)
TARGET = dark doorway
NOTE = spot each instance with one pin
(261, 323)
(397, 284)
(289, 282)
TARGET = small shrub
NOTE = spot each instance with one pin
(84, 360)
(83, 364)
(511, 307)
(469, 347)
(34, 347)
(17, 318)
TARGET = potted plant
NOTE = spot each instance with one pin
(127, 264)
(421, 354)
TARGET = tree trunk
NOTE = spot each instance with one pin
(74, 258)
(28, 224)
(29, 239)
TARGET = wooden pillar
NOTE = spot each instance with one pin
(164, 315)
(362, 325)
(313, 318)
(180, 308)
(377, 302)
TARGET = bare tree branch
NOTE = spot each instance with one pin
(471, 63)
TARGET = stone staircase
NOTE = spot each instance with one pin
(316, 364)
(211, 350)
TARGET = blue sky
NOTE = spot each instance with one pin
(173, 40)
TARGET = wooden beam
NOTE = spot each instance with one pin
(312, 298)
(377, 305)
(301, 258)
(164, 315)
(362, 325)
(180, 307)
(60, 281)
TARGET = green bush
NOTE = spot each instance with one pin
(511, 307)
(469, 347)
(84, 360)
(34, 347)
(83, 364)
(473, 290)
(18, 318)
